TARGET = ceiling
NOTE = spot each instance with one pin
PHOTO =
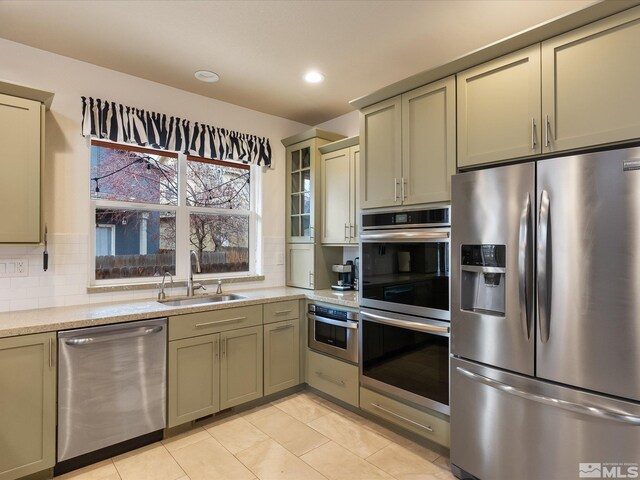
(261, 49)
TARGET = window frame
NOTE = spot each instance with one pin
(182, 213)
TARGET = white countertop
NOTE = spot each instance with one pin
(25, 322)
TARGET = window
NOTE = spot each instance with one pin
(151, 207)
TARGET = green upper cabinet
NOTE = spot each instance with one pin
(408, 147)
(21, 133)
(22, 112)
(302, 182)
(590, 79)
(27, 405)
(381, 150)
(340, 198)
(573, 91)
(428, 142)
(499, 109)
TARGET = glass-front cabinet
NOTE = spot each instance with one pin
(308, 266)
(300, 228)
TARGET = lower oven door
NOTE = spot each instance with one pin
(334, 337)
(406, 357)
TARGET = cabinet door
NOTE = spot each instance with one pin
(499, 109)
(381, 146)
(590, 79)
(301, 180)
(20, 137)
(354, 202)
(336, 192)
(193, 378)
(240, 366)
(27, 405)
(281, 356)
(300, 265)
(429, 142)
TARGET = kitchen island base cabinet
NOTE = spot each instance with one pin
(27, 405)
(333, 377)
(428, 424)
(281, 355)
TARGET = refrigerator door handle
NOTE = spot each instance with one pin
(544, 295)
(583, 409)
(524, 268)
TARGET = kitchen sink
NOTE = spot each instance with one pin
(202, 300)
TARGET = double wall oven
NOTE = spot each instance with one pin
(405, 314)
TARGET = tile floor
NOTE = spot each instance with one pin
(299, 437)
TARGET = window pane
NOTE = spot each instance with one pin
(306, 203)
(219, 186)
(295, 204)
(306, 231)
(306, 181)
(134, 243)
(295, 182)
(221, 241)
(306, 157)
(295, 226)
(295, 160)
(131, 176)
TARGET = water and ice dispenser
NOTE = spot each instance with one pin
(483, 279)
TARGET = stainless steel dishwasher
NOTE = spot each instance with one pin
(111, 385)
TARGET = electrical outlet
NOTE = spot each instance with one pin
(20, 267)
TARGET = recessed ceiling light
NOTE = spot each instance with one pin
(207, 76)
(313, 77)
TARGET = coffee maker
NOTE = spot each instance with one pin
(345, 276)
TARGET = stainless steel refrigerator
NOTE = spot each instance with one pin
(545, 310)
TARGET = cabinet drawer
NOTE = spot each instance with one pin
(279, 311)
(433, 426)
(333, 377)
(203, 323)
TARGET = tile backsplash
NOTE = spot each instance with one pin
(66, 280)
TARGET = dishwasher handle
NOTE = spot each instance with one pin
(125, 333)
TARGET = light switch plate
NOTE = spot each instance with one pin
(13, 267)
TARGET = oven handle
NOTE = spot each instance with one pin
(405, 236)
(338, 323)
(422, 327)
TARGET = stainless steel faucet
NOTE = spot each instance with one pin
(219, 289)
(161, 294)
(190, 286)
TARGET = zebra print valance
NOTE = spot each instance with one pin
(120, 123)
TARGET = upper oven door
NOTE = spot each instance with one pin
(406, 271)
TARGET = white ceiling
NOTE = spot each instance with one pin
(261, 49)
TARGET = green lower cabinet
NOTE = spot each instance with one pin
(209, 373)
(240, 366)
(27, 404)
(194, 377)
(281, 355)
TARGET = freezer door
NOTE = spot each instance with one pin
(589, 271)
(492, 266)
(506, 426)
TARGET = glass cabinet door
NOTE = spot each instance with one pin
(300, 228)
